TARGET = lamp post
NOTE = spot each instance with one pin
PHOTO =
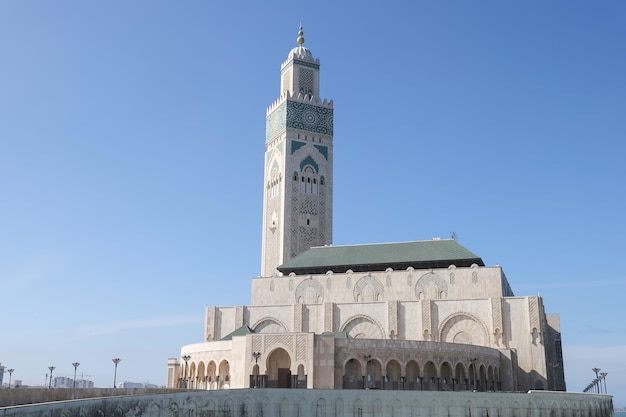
(52, 368)
(602, 375)
(473, 365)
(115, 361)
(596, 370)
(75, 365)
(10, 371)
(186, 359)
(256, 355)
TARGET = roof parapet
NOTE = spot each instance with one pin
(302, 98)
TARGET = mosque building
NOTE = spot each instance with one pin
(424, 315)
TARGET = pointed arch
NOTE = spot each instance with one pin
(431, 286)
(269, 325)
(465, 328)
(363, 327)
(309, 291)
(376, 289)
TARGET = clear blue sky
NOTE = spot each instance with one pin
(131, 159)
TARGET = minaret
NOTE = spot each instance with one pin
(298, 174)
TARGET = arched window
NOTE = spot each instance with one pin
(310, 185)
(274, 182)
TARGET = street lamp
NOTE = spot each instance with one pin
(75, 365)
(186, 359)
(256, 356)
(115, 361)
(52, 368)
(10, 371)
(602, 374)
(596, 370)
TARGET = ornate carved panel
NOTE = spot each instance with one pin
(329, 312)
(392, 317)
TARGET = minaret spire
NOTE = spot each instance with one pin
(297, 203)
(300, 39)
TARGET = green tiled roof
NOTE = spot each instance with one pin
(436, 253)
(242, 331)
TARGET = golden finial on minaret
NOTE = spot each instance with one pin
(300, 39)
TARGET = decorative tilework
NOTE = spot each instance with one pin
(306, 81)
(533, 312)
(314, 65)
(496, 313)
(295, 145)
(275, 122)
(392, 313)
(257, 343)
(428, 281)
(426, 323)
(368, 280)
(300, 347)
(309, 284)
(284, 340)
(308, 117)
(309, 206)
(329, 310)
(323, 150)
(297, 317)
(309, 161)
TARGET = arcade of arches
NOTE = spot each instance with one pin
(363, 372)
(370, 373)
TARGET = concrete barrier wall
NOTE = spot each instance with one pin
(19, 396)
(327, 403)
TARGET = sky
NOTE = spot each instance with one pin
(131, 162)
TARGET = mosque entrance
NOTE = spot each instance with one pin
(284, 378)
(279, 369)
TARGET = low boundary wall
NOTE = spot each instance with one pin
(327, 403)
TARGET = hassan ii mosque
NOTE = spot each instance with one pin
(425, 315)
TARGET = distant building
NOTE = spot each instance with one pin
(127, 384)
(67, 382)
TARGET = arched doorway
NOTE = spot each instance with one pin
(278, 369)
(412, 376)
(352, 375)
(212, 375)
(223, 379)
(374, 376)
(201, 384)
(430, 377)
(393, 375)
(445, 378)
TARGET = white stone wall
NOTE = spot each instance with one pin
(405, 285)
